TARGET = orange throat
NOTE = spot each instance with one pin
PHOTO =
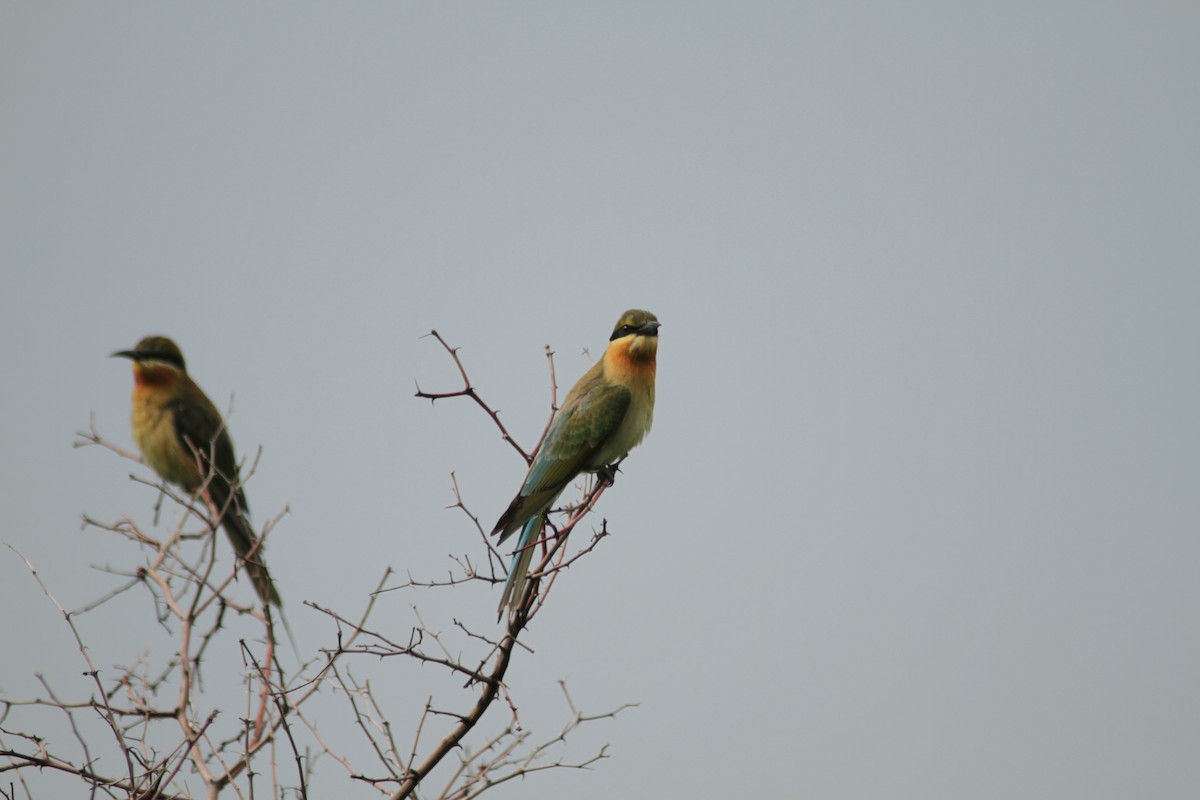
(153, 376)
(631, 360)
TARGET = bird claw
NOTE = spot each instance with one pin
(608, 473)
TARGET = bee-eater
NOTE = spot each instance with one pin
(606, 414)
(182, 436)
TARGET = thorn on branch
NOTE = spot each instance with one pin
(469, 391)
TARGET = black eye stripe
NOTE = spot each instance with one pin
(164, 357)
(624, 330)
(641, 323)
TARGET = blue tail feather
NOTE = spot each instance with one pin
(518, 570)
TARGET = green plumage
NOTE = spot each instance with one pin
(606, 413)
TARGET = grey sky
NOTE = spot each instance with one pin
(918, 515)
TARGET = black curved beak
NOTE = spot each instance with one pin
(650, 329)
(130, 354)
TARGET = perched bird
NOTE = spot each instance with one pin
(182, 436)
(606, 414)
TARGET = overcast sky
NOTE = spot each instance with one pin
(918, 515)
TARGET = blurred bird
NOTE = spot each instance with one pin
(606, 414)
(182, 436)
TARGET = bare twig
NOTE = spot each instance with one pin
(92, 672)
(469, 391)
(193, 605)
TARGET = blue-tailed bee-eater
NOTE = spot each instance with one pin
(606, 414)
(182, 436)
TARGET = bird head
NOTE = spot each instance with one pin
(636, 333)
(154, 351)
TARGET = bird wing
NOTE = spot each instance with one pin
(578, 431)
(202, 435)
(591, 413)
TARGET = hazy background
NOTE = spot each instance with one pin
(918, 515)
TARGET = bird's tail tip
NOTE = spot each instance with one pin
(518, 572)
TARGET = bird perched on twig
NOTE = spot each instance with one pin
(183, 438)
(606, 414)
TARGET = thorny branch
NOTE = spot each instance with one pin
(490, 674)
(469, 391)
(152, 709)
(139, 703)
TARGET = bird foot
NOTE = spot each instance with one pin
(608, 473)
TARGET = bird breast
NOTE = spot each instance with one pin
(154, 431)
(632, 428)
